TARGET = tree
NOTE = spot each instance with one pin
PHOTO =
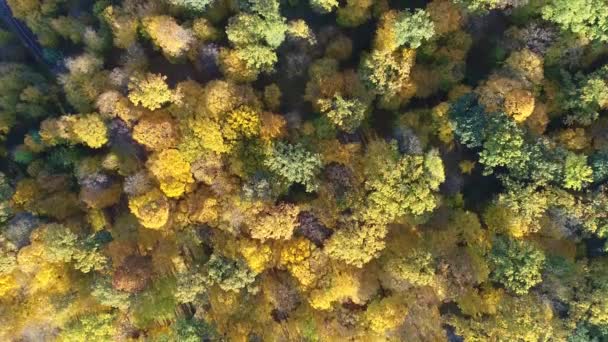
(150, 208)
(276, 223)
(583, 17)
(156, 131)
(90, 130)
(387, 313)
(24, 94)
(150, 91)
(229, 275)
(355, 13)
(93, 327)
(294, 164)
(61, 245)
(468, 120)
(387, 73)
(133, 275)
(411, 29)
(191, 284)
(487, 5)
(170, 37)
(172, 172)
(504, 144)
(191, 330)
(401, 186)
(105, 294)
(527, 318)
(323, 6)
(356, 243)
(346, 114)
(195, 5)
(416, 267)
(516, 264)
(577, 174)
(123, 26)
(256, 35)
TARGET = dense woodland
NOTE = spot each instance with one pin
(304, 170)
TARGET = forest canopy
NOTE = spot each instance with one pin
(304, 170)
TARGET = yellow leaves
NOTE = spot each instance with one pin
(519, 104)
(258, 256)
(299, 29)
(150, 91)
(574, 139)
(172, 171)
(235, 67)
(242, 121)
(527, 65)
(276, 223)
(386, 37)
(204, 30)
(209, 133)
(207, 212)
(442, 122)
(334, 151)
(124, 27)
(475, 303)
(342, 285)
(445, 15)
(273, 126)
(88, 129)
(156, 131)
(51, 278)
(295, 251)
(500, 219)
(8, 284)
(386, 314)
(26, 192)
(151, 209)
(466, 167)
(538, 120)
(173, 39)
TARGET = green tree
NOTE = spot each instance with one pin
(96, 328)
(323, 6)
(346, 114)
(195, 5)
(516, 264)
(191, 330)
(577, 174)
(294, 164)
(504, 144)
(106, 295)
(411, 29)
(401, 186)
(584, 17)
(229, 275)
(468, 120)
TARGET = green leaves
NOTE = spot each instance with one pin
(346, 114)
(404, 187)
(517, 264)
(586, 18)
(194, 5)
(294, 164)
(414, 28)
(577, 174)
